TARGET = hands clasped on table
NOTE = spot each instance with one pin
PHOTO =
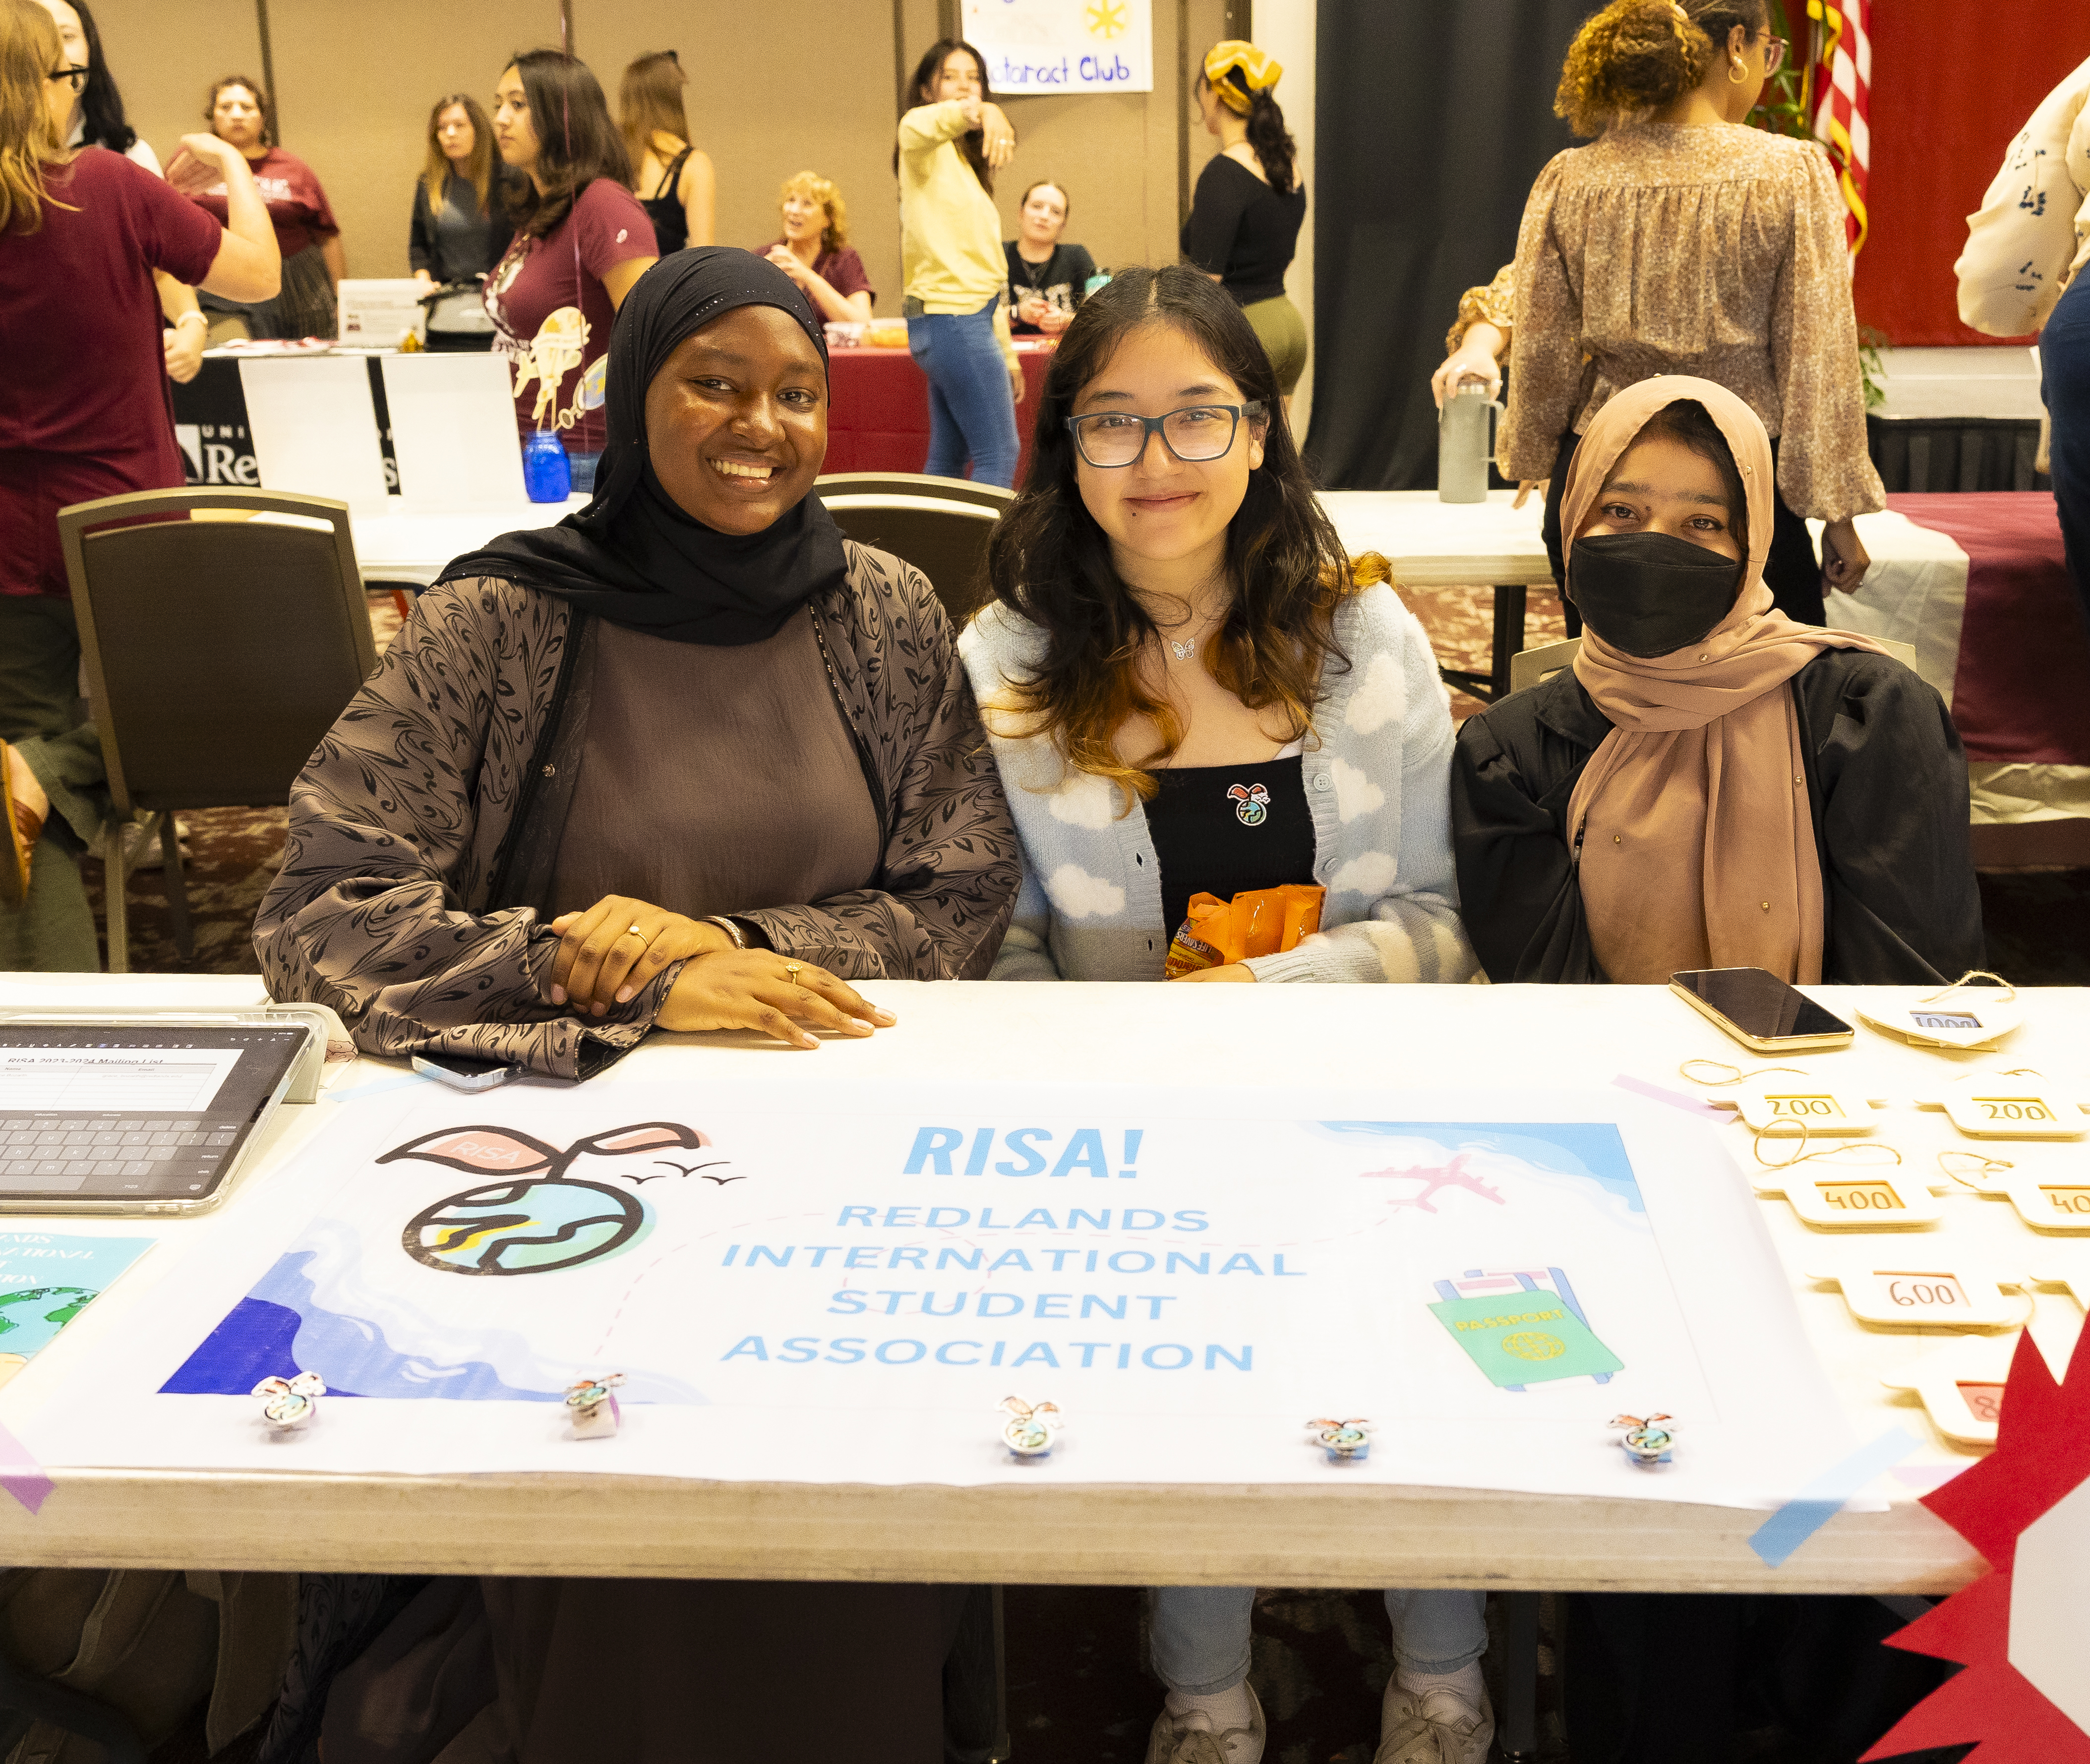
(612, 952)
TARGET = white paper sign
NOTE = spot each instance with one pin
(380, 311)
(1045, 46)
(814, 1289)
(453, 427)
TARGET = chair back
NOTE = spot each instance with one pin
(943, 534)
(1529, 667)
(223, 634)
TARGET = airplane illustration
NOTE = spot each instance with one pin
(1454, 1174)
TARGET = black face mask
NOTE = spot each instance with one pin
(1648, 594)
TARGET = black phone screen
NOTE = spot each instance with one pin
(1758, 1002)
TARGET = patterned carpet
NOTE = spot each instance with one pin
(1078, 1691)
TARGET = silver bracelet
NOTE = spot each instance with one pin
(727, 925)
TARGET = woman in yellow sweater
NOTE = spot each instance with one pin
(951, 144)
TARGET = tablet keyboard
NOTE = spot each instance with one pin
(56, 1151)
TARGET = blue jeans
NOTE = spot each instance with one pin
(1200, 1634)
(971, 410)
(2064, 359)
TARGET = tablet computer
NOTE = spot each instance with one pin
(111, 1117)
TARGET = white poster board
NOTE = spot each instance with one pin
(842, 1285)
(378, 313)
(453, 427)
(314, 427)
(1036, 47)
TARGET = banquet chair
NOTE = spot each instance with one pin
(939, 525)
(1529, 667)
(217, 651)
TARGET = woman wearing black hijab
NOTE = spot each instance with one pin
(689, 759)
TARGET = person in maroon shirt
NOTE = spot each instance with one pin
(306, 233)
(581, 241)
(83, 413)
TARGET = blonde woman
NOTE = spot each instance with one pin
(461, 228)
(673, 181)
(816, 253)
(85, 415)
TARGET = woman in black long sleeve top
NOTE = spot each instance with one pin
(458, 240)
(1535, 828)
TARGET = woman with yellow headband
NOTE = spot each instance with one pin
(1245, 218)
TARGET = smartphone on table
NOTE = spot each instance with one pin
(1760, 1011)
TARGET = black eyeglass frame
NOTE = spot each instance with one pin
(1150, 426)
(78, 77)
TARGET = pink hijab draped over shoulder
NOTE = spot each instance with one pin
(1692, 823)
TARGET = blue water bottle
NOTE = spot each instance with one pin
(547, 475)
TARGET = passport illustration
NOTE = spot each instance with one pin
(1523, 1327)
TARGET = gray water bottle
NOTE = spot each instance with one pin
(1464, 442)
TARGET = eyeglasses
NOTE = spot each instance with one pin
(75, 76)
(1108, 438)
(1775, 51)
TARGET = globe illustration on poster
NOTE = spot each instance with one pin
(527, 1226)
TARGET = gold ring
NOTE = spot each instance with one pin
(633, 930)
(793, 969)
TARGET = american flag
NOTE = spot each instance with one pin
(1844, 77)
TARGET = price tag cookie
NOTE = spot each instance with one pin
(2004, 1105)
(1920, 1293)
(1961, 1386)
(2073, 1278)
(1963, 1017)
(2050, 1201)
(1826, 1112)
(1852, 1197)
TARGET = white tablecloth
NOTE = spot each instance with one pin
(1220, 1042)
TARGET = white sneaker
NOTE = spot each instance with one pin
(1439, 1727)
(1189, 1739)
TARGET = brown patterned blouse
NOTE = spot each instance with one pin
(425, 832)
(1715, 249)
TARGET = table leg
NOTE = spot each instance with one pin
(1509, 636)
(1509, 610)
(1518, 1734)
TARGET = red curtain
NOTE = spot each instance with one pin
(1951, 86)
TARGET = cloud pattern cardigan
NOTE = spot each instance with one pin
(424, 830)
(1378, 774)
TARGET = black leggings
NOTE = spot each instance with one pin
(1790, 572)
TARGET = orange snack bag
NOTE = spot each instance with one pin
(1258, 921)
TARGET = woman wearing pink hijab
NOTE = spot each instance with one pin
(1712, 784)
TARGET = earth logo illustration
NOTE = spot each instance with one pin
(551, 1208)
(524, 1228)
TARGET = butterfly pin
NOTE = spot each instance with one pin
(1251, 804)
(1030, 1428)
(290, 1402)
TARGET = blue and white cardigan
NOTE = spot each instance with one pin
(1377, 765)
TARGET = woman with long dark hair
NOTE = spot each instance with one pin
(1682, 241)
(460, 228)
(1189, 688)
(951, 144)
(684, 198)
(98, 120)
(581, 241)
(239, 113)
(1244, 218)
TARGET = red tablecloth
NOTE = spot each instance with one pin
(878, 418)
(2021, 692)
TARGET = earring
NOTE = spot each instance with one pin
(1737, 71)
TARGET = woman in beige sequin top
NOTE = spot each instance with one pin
(1681, 241)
